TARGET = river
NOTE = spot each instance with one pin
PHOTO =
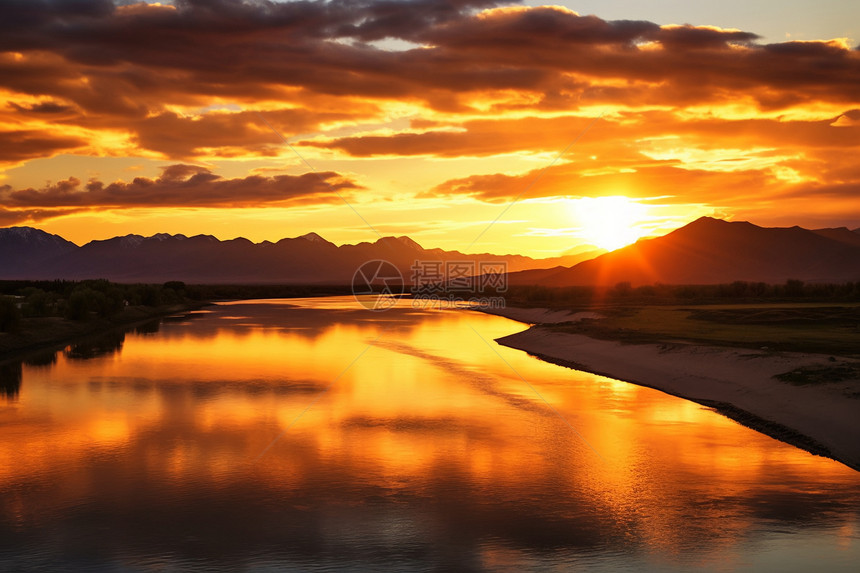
(315, 435)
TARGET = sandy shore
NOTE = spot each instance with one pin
(740, 383)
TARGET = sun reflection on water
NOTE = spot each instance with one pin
(429, 425)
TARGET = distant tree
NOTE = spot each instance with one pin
(37, 302)
(740, 288)
(77, 306)
(646, 290)
(686, 292)
(623, 288)
(114, 301)
(10, 315)
(83, 301)
(177, 286)
(759, 289)
(793, 287)
(150, 295)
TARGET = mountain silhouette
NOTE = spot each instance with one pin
(27, 253)
(712, 251)
(841, 234)
(706, 251)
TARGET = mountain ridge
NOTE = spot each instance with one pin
(28, 253)
(705, 251)
(711, 251)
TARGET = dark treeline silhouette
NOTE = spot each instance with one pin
(10, 315)
(738, 291)
(79, 300)
(87, 299)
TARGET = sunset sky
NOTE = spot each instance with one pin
(428, 118)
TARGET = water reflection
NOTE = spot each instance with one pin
(427, 453)
(45, 359)
(10, 379)
(151, 327)
(96, 346)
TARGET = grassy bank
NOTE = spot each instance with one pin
(818, 327)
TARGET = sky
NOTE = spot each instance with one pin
(469, 125)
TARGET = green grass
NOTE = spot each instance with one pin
(800, 327)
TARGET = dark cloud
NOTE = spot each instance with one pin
(137, 56)
(536, 29)
(227, 134)
(49, 107)
(22, 144)
(405, 20)
(10, 217)
(183, 186)
(487, 137)
(693, 37)
(19, 15)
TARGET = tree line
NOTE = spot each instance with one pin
(738, 291)
(79, 300)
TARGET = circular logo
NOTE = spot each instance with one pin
(377, 284)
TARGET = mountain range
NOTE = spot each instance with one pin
(28, 253)
(706, 251)
(712, 251)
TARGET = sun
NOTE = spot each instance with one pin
(610, 222)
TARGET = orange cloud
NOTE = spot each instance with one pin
(183, 186)
(698, 113)
(129, 63)
(22, 144)
(226, 134)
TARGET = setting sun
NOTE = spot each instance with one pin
(610, 222)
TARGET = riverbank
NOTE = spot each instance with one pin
(809, 400)
(541, 315)
(44, 333)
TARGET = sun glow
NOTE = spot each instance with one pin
(610, 222)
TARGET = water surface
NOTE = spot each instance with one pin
(315, 435)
